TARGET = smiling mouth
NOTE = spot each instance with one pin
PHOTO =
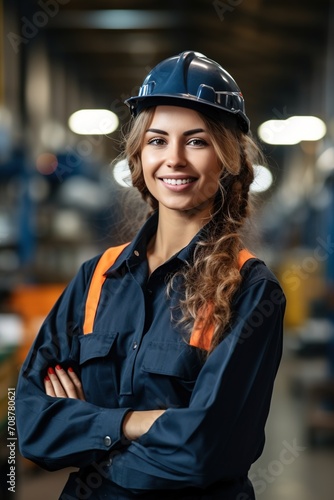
(178, 182)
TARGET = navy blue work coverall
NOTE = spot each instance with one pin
(137, 359)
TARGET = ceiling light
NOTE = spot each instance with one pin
(325, 162)
(117, 19)
(93, 122)
(292, 130)
(122, 174)
(263, 179)
(277, 132)
(310, 128)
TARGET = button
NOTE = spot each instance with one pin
(136, 253)
(134, 345)
(107, 441)
(109, 462)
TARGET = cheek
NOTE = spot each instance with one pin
(213, 180)
(146, 170)
(148, 165)
(215, 171)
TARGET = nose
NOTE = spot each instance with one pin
(176, 156)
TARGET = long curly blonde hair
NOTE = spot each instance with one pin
(213, 276)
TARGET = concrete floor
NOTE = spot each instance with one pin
(306, 473)
(289, 469)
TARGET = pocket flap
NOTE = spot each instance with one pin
(96, 345)
(176, 359)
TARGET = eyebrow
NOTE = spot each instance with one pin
(186, 133)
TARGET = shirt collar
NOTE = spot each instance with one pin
(135, 252)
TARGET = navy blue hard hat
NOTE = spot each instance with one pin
(194, 81)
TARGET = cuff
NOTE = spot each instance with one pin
(110, 428)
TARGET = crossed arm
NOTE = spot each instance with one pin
(66, 384)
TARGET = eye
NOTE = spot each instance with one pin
(197, 142)
(156, 141)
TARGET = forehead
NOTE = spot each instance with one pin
(173, 116)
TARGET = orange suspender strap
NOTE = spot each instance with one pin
(243, 256)
(200, 338)
(107, 259)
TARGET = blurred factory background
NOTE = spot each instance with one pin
(62, 200)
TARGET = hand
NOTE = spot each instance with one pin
(137, 423)
(63, 384)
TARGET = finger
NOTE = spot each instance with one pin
(77, 383)
(49, 387)
(66, 383)
(56, 384)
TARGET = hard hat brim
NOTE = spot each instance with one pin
(216, 112)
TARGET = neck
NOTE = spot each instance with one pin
(175, 230)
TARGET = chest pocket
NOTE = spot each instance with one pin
(96, 346)
(172, 368)
(96, 367)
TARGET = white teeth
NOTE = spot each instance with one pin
(178, 182)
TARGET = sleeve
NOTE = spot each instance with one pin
(221, 433)
(62, 432)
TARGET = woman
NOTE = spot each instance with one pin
(166, 393)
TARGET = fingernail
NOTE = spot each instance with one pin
(47, 378)
(58, 367)
(70, 369)
(51, 370)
